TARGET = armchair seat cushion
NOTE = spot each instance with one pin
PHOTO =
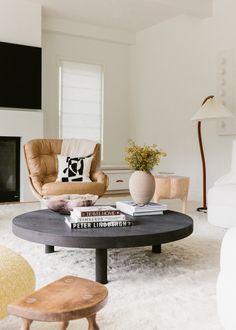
(60, 188)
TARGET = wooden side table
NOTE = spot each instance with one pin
(66, 299)
(171, 187)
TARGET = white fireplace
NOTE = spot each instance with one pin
(27, 125)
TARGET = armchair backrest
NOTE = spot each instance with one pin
(41, 160)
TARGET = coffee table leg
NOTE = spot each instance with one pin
(101, 266)
(49, 248)
(156, 248)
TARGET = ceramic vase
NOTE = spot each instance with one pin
(142, 187)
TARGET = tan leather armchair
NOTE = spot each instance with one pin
(42, 164)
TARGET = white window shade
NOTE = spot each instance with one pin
(81, 91)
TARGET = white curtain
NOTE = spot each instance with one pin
(81, 93)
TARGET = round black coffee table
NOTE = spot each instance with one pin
(48, 228)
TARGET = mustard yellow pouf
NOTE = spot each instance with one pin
(17, 278)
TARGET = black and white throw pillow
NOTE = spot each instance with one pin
(74, 169)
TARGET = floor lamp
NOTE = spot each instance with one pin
(210, 109)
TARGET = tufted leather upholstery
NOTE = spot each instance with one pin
(41, 160)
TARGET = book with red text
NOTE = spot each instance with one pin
(95, 211)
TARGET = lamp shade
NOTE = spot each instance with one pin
(212, 109)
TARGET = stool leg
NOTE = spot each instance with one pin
(26, 324)
(92, 324)
(64, 325)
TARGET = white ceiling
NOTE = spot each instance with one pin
(130, 15)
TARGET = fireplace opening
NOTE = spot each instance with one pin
(9, 168)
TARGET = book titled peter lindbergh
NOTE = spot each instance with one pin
(97, 224)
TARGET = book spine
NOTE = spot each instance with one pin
(100, 224)
(121, 217)
(138, 214)
(104, 213)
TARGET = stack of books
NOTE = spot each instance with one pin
(131, 208)
(96, 217)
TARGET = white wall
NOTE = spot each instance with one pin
(20, 22)
(114, 57)
(173, 70)
(87, 31)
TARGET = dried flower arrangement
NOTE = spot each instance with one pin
(142, 158)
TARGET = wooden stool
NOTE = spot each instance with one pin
(66, 299)
(171, 187)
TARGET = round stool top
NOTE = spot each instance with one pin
(66, 299)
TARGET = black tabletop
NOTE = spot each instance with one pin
(48, 227)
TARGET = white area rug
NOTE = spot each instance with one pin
(168, 291)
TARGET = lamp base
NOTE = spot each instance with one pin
(202, 209)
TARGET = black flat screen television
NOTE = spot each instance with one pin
(20, 76)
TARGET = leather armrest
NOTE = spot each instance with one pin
(37, 183)
(100, 177)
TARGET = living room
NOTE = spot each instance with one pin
(160, 60)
